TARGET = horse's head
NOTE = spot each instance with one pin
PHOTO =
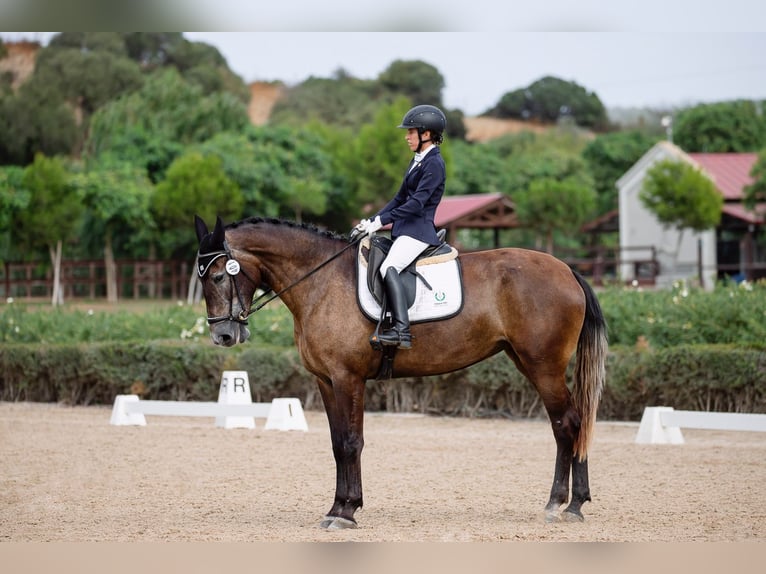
(227, 287)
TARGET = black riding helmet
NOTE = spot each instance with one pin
(425, 117)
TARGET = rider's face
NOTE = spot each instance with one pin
(412, 138)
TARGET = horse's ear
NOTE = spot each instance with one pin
(200, 227)
(218, 232)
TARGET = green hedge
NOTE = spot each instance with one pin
(729, 314)
(696, 377)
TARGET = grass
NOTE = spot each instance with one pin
(141, 320)
(730, 314)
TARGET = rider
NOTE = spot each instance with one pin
(411, 212)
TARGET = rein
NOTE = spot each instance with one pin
(233, 268)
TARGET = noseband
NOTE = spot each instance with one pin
(233, 268)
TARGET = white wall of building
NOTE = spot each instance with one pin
(640, 228)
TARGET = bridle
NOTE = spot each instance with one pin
(233, 268)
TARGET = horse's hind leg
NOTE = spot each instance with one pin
(580, 490)
(565, 422)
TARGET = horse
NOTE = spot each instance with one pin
(525, 303)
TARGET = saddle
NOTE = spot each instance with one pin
(376, 251)
(439, 295)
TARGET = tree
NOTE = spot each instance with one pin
(116, 196)
(735, 126)
(140, 147)
(195, 184)
(171, 110)
(203, 64)
(307, 181)
(478, 168)
(344, 101)
(74, 75)
(88, 42)
(551, 206)
(306, 195)
(13, 199)
(417, 80)
(514, 161)
(280, 171)
(527, 157)
(455, 125)
(682, 197)
(347, 102)
(52, 215)
(338, 145)
(84, 70)
(609, 156)
(198, 62)
(32, 121)
(550, 98)
(755, 193)
(86, 79)
(381, 156)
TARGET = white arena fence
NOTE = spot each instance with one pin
(662, 425)
(234, 408)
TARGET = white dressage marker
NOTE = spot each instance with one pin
(235, 390)
(235, 408)
(280, 414)
(662, 425)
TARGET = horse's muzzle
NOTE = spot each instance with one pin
(229, 333)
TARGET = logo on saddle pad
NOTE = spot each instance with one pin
(433, 283)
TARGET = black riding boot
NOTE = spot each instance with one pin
(399, 335)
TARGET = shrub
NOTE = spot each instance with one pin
(707, 377)
(684, 347)
(729, 314)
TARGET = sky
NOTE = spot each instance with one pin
(657, 68)
(624, 69)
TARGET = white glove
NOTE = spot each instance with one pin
(368, 226)
(374, 225)
(361, 227)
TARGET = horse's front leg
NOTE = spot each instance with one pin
(344, 404)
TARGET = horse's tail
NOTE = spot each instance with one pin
(590, 367)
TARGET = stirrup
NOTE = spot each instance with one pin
(375, 342)
(403, 339)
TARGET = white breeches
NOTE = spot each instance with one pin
(403, 252)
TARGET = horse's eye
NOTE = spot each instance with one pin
(218, 277)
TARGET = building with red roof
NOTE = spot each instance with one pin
(477, 211)
(730, 249)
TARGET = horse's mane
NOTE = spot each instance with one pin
(310, 227)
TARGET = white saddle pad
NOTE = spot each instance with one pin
(443, 300)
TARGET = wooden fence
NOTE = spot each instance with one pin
(139, 279)
(602, 264)
(87, 279)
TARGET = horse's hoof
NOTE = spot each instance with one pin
(572, 516)
(326, 522)
(551, 516)
(337, 523)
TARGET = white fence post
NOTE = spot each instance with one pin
(662, 425)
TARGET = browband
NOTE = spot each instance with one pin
(205, 260)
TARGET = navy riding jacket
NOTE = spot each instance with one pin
(413, 208)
